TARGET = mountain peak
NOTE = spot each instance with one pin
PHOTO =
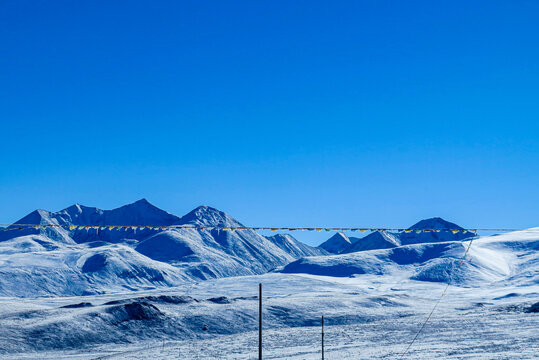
(337, 243)
(435, 223)
(142, 203)
(35, 217)
(429, 237)
(207, 216)
(77, 209)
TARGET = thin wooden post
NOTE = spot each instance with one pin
(259, 321)
(322, 338)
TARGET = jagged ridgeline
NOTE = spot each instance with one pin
(342, 244)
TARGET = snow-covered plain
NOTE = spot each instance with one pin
(193, 294)
(367, 317)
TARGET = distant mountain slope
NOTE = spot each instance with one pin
(336, 244)
(218, 253)
(375, 240)
(294, 247)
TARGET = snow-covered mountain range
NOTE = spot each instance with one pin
(93, 291)
(73, 262)
(64, 261)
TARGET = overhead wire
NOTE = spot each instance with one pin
(438, 300)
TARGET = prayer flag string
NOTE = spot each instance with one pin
(134, 228)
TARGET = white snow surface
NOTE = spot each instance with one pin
(373, 309)
(368, 316)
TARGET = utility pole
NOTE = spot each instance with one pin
(322, 338)
(260, 321)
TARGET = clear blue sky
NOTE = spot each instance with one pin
(352, 113)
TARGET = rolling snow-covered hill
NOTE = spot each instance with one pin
(294, 247)
(507, 257)
(78, 270)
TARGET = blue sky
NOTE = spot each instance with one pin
(281, 113)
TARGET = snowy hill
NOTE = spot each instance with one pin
(77, 270)
(336, 244)
(215, 253)
(79, 261)
(294, 247)
(207, 216)
(508, 257)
